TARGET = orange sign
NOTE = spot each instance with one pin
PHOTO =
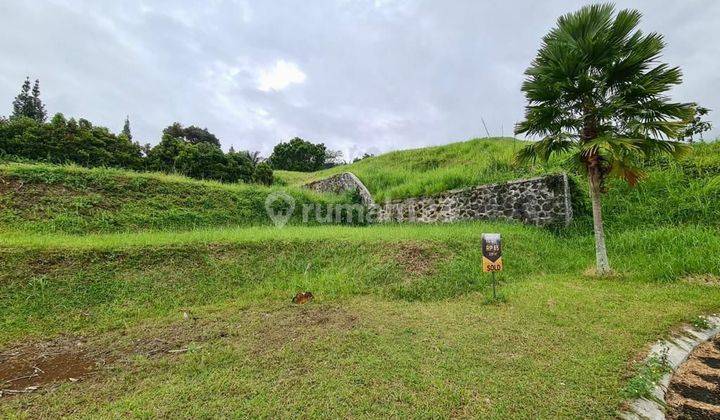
(491, 252)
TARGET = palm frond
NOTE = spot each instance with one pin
(543, 149)
(654, 147)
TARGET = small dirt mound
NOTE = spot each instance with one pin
(694, 391)
(415, 258)
(27, 369)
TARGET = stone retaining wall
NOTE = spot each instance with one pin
(539, 201)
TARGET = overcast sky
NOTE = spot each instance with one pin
(360, 76)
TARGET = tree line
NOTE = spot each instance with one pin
(191, 150)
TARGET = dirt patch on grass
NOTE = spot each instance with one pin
(43, 366)
(704, 279)
(30, 367)
(30, 195)
(415, 258)
(25, 369)
(299, 323)
(694, 390)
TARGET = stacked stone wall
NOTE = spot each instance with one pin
(541, 201)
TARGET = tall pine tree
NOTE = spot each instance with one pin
(22, 105)
(126, 128)
(38, 106)
(28, 104)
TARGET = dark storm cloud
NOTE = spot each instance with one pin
(358, 75)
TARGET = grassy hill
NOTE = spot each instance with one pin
(70, 199)
(430, 170)
(686, 192)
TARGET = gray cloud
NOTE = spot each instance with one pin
(357, 75)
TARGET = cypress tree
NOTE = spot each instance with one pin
(22, 102)
(38, 107)
(126, 128)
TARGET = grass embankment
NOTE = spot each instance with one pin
(71, 199)
(398, 327)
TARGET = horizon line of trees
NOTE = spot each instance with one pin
(191, 150)
(63, 140)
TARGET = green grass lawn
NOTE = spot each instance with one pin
(400, 324)
(180, 291)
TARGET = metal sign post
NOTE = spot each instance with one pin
(492, 256)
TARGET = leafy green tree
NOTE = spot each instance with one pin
(697, 126)
(126, 129)
(175, 130)
(162, 157)
(22, 137)
(239, 167)
(202, 161)
(595, 94)
(28, 104)
(191, 134)
(63, 141)
(197, 135)
(298, 155)
(263, 174)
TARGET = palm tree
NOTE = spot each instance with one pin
(595, 95)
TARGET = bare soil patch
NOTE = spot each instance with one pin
(29, 367)
(298, 323)
(415, 258)
(694, 391)
(704, 279)
(25, 369)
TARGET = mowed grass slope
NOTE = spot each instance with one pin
(71, 199)
(400, 324)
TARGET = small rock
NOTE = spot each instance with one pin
(302, 298)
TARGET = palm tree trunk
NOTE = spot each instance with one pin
(601, 258)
